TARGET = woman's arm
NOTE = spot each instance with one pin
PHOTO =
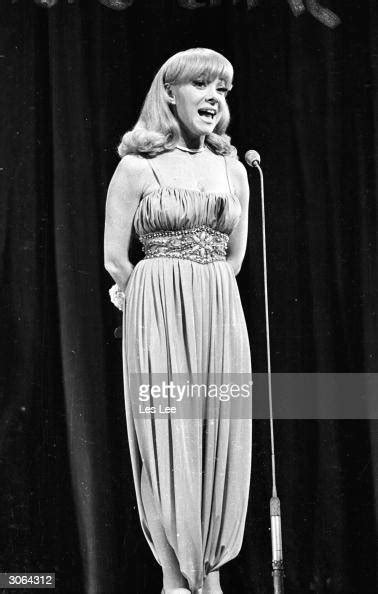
(121, 203)
(238, 239)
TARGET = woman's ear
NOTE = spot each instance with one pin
(170, 94)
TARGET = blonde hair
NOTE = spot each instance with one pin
(157, 129)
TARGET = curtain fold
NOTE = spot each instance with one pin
(78, 260)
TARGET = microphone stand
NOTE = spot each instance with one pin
(253, 159)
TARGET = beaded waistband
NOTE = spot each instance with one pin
(200, 244)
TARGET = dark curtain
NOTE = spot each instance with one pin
(305, 97)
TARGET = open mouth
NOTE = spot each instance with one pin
(207, 114)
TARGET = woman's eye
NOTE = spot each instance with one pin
(223, 90)
(199, 83)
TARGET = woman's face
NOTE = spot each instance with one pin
(199, 104)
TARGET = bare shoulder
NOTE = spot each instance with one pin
(237, 168)
(130, 172)
(133, 165)
(239, 177)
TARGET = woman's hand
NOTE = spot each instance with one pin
(117, 294)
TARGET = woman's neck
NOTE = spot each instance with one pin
(191, 142)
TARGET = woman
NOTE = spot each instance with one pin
(182, 189)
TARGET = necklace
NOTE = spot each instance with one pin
(188, 150)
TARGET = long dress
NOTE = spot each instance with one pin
(183, 315)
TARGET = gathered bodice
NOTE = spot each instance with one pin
(169, 209)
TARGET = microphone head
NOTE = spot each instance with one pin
(252, 156)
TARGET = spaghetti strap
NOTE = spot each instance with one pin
(155, 172)
(228, 175)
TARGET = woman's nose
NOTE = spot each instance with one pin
(212, 93)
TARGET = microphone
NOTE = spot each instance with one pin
(252, 158)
